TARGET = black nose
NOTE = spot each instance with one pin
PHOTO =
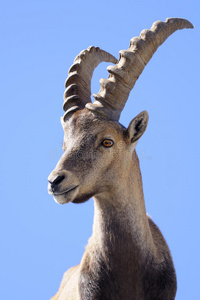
(54, 184)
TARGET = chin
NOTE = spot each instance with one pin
(61, 199)
(67, 197)
(73, 197)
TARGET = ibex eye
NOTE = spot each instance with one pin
(107, 143)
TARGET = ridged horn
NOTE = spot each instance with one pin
(115, 90)
(78, 82)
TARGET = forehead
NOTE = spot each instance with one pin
(85, 122)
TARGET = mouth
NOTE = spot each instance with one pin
(65, 196)
(70, 189)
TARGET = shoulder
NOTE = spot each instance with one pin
(69, 282)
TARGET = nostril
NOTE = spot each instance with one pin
(57, 180)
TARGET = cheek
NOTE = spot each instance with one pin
(117, 162)
(92, 167)
(105, 161)
(83, 163)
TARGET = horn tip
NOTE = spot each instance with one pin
(184, 23)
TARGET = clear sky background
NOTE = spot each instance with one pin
(39, 40)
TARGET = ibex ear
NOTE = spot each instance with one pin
(138, 126)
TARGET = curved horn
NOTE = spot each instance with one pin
(115, 90)
(78, 82)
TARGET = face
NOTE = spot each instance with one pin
(92, 148)
(96, 152)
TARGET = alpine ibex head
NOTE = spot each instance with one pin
(97, 148)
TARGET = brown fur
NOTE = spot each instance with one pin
(127, 256)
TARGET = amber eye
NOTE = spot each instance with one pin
(107, 143)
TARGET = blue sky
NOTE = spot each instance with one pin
(39, 41)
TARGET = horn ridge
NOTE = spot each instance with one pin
(78, 83)
(122, 77)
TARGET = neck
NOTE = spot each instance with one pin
(120, 243)
(122, 257)
(120, 221)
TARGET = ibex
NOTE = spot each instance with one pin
(126, 258)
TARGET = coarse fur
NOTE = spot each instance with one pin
(127, 256)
